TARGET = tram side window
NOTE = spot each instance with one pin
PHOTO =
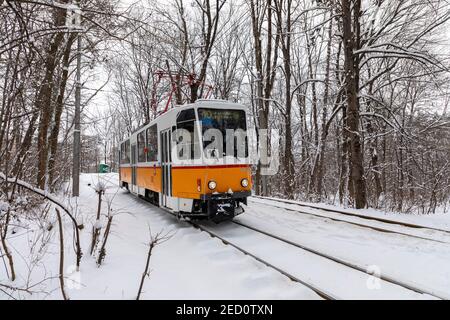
(141, 146)
(186, 120)
(125, 152)
(152, 143)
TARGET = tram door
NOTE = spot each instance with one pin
(133, 168)
(166, 166)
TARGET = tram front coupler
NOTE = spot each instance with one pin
(224, 206)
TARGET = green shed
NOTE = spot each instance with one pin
(103, 168)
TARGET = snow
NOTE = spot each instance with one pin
(191, 265)
(421, 263)
(4, 206)
(439, 220)
(359, 219)
(99, 224)
(100, 186)
(194, 265)
(336, 280)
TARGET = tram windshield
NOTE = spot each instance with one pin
(232, 126)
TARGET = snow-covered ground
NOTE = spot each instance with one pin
(420, 263)
(193, 265)
(439, 220)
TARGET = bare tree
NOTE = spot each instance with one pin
(156, 240)
(61, 255)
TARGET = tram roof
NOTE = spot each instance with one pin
(212, 103)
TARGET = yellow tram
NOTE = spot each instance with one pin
(192, 160)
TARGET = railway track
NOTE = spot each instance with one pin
(368, 218)
(318, 289)
(321, 292)
(345, 263)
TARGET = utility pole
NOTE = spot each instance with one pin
(77, 128)
(263, 153)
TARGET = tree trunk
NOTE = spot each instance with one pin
(44, 99)
(58, 111)
(61, 256)
(319, 172)
(266, 78)
(357, 184)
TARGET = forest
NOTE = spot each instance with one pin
(358, 89)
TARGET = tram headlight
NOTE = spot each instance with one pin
(244, 183)
(212, 185)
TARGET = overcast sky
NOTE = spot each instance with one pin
(99, 77)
